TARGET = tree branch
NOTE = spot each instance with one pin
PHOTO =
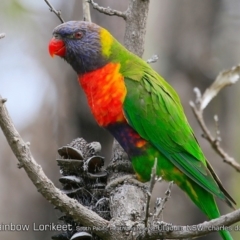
(167, 231)
(86, 11)
(214, 142)
(149, 193)
(131, 214)
(153, 59)
(136, 22)
(224, 79)
(43, 184)
(161, 202)
(56, 12)
(108, 10)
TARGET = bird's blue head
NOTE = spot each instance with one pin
(85, 46)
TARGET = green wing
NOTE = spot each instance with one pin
(153, 109)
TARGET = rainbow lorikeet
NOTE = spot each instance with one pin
(141, 110)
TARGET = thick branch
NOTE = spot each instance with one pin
(136, 23)
(56, 12)
(136, 18)
(108, 10)
(86, 11)
(43, 184)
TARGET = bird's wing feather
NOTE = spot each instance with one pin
(154, 110)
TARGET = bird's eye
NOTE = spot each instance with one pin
(78, 35)
(57, 36)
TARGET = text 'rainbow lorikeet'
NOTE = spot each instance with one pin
(141, 110)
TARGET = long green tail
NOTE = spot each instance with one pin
(202, 198)
(205, 201)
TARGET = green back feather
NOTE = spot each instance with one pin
(153, 109)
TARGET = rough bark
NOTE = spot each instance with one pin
(136, 22)
(128, 201)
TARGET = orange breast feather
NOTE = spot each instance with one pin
(105, 91)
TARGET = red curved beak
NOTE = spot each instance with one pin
(56, 47)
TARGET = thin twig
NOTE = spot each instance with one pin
(86, 11)
(218, 137)
(153, 59)
(43, 184)
(214, 142)
(193, 231)
(108, 10)
(162, 201)
(149, 193)
(57, 12)
(224, 78)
